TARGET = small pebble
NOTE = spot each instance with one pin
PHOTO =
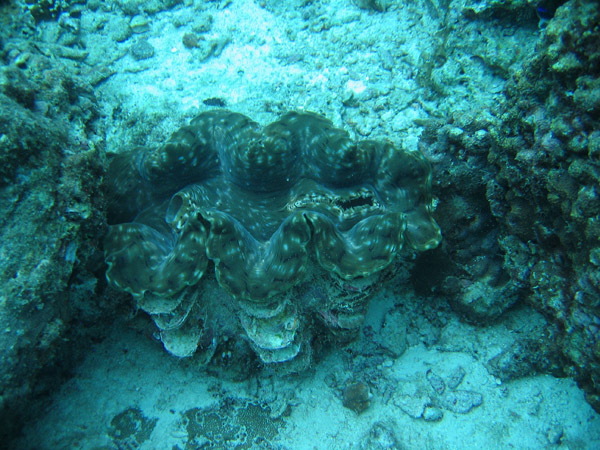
(461, 402)
(456, 377)
(142, 49)
(555, 434)
(139, 24)
(190, 40)
(21, 60)
(411, 401)
(436, 382)
(433, 414)
(357, 397)
(120, 30)
(330, 381)
(455, 132)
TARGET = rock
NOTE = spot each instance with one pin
(120, 30)
(190, 40)
(461, 402)
(357, 397)
(411, 400)
(393, 334)
(432, 414)
(555, 434)
(456, 377)
(376, 5)
(142, 49)
(380, 437)
(139, 24)
(436, 382)
(480, 301)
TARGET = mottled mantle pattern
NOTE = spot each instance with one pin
(262, 210)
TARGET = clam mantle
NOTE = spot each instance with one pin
(229, 225)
